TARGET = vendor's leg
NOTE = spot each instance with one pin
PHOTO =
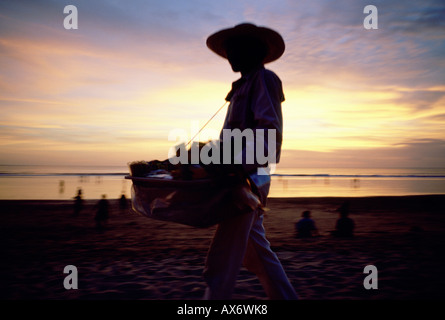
(226, 254)
(261, 260)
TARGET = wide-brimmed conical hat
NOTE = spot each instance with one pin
(272, 39)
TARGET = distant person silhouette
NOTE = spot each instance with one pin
(345, 225)
(305, 227)
(123, 202)
(102, 213)
(61, 186)
(78, 202)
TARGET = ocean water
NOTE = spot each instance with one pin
(62, 183)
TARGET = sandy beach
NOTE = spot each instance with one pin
(138, 258)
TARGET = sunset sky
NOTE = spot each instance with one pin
(113, 90)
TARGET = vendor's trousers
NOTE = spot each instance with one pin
(238, 241)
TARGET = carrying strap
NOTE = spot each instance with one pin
(207, 122)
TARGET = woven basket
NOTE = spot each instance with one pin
(198, 203)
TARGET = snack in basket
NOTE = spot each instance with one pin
(148, 168)
(166, 170)
(185, 171)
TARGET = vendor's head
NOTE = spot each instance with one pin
(245, 53)
(306, 214)
(247, 46)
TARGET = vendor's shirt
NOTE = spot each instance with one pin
(255, 103)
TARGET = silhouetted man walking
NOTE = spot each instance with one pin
(255, 103)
